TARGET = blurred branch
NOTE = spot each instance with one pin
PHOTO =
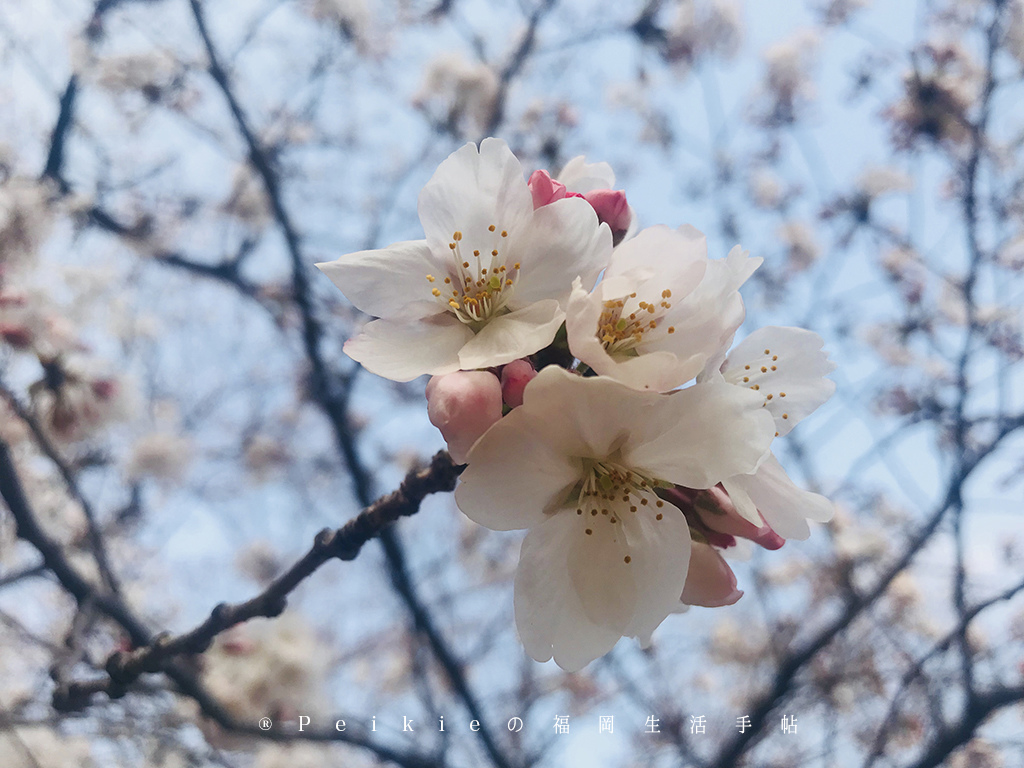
(888, 722)
(344, 543)
(61, 129)
(124, 667)
(20, 575)
(95, 536)
(334, 402)
(976, 711)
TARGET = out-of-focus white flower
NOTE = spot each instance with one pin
(1015, 30)
(160, 455)
(352, 17)
(661, 311)
(702, 29)
(458, 93)
(42, 747)
(273, 669)
(877, 181)
(788, 74)
(150, 73)
(837, 12)
(72, 404)
(803, 249)
(24, 222)
(248, 199)
(937, 99)
(489, 283)
(765, 189)
(577, 464)
(463, 405)
(786, 367)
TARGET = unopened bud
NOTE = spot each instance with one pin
(611, 208)
(710, 581)
(463, 405)
(514, 378)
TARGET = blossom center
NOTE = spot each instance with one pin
(480, 282)
(609, 492)
(621, 327)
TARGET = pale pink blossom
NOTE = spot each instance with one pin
(463, 405)
(489, 283)
(514, 378)
(710, 581)
(577, 465)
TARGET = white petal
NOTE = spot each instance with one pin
(788, 367)
(563, 241)
(514, 474)
(383, 282)
(580, 176)
(674, 259)
(700, 436)
(706, 320)
(508, 337)
(735, 487)
(401, 350)
(786, 507)
(472, 190)
(584, 416)
(549, 614)
(660, 551)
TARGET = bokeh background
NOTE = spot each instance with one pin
(177, 420)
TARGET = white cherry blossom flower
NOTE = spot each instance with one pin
(489, 283)
(662, 310)
(577, 464)
(787, 368)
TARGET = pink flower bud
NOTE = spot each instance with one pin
(710, 581)
(712, 512)
(104, 389)
(611, 208)
(544, 189)
(18, 336)
(463, 405)
(514, 378)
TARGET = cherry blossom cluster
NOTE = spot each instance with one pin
(582, 369)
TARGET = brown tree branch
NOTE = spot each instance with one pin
(333, 402)
(153, 654)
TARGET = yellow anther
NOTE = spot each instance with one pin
(494, 252)
(769, 397)
(448, 280)
(763, 369)
(436, 292)
(491, 228)
(452, 246)
(457, 236)
(658, 516)
(782, 394)
(767, 351)
(785, 415)
(516, 265)
(671, 329)
(774, 368)
(465, 265)
(504, 233)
